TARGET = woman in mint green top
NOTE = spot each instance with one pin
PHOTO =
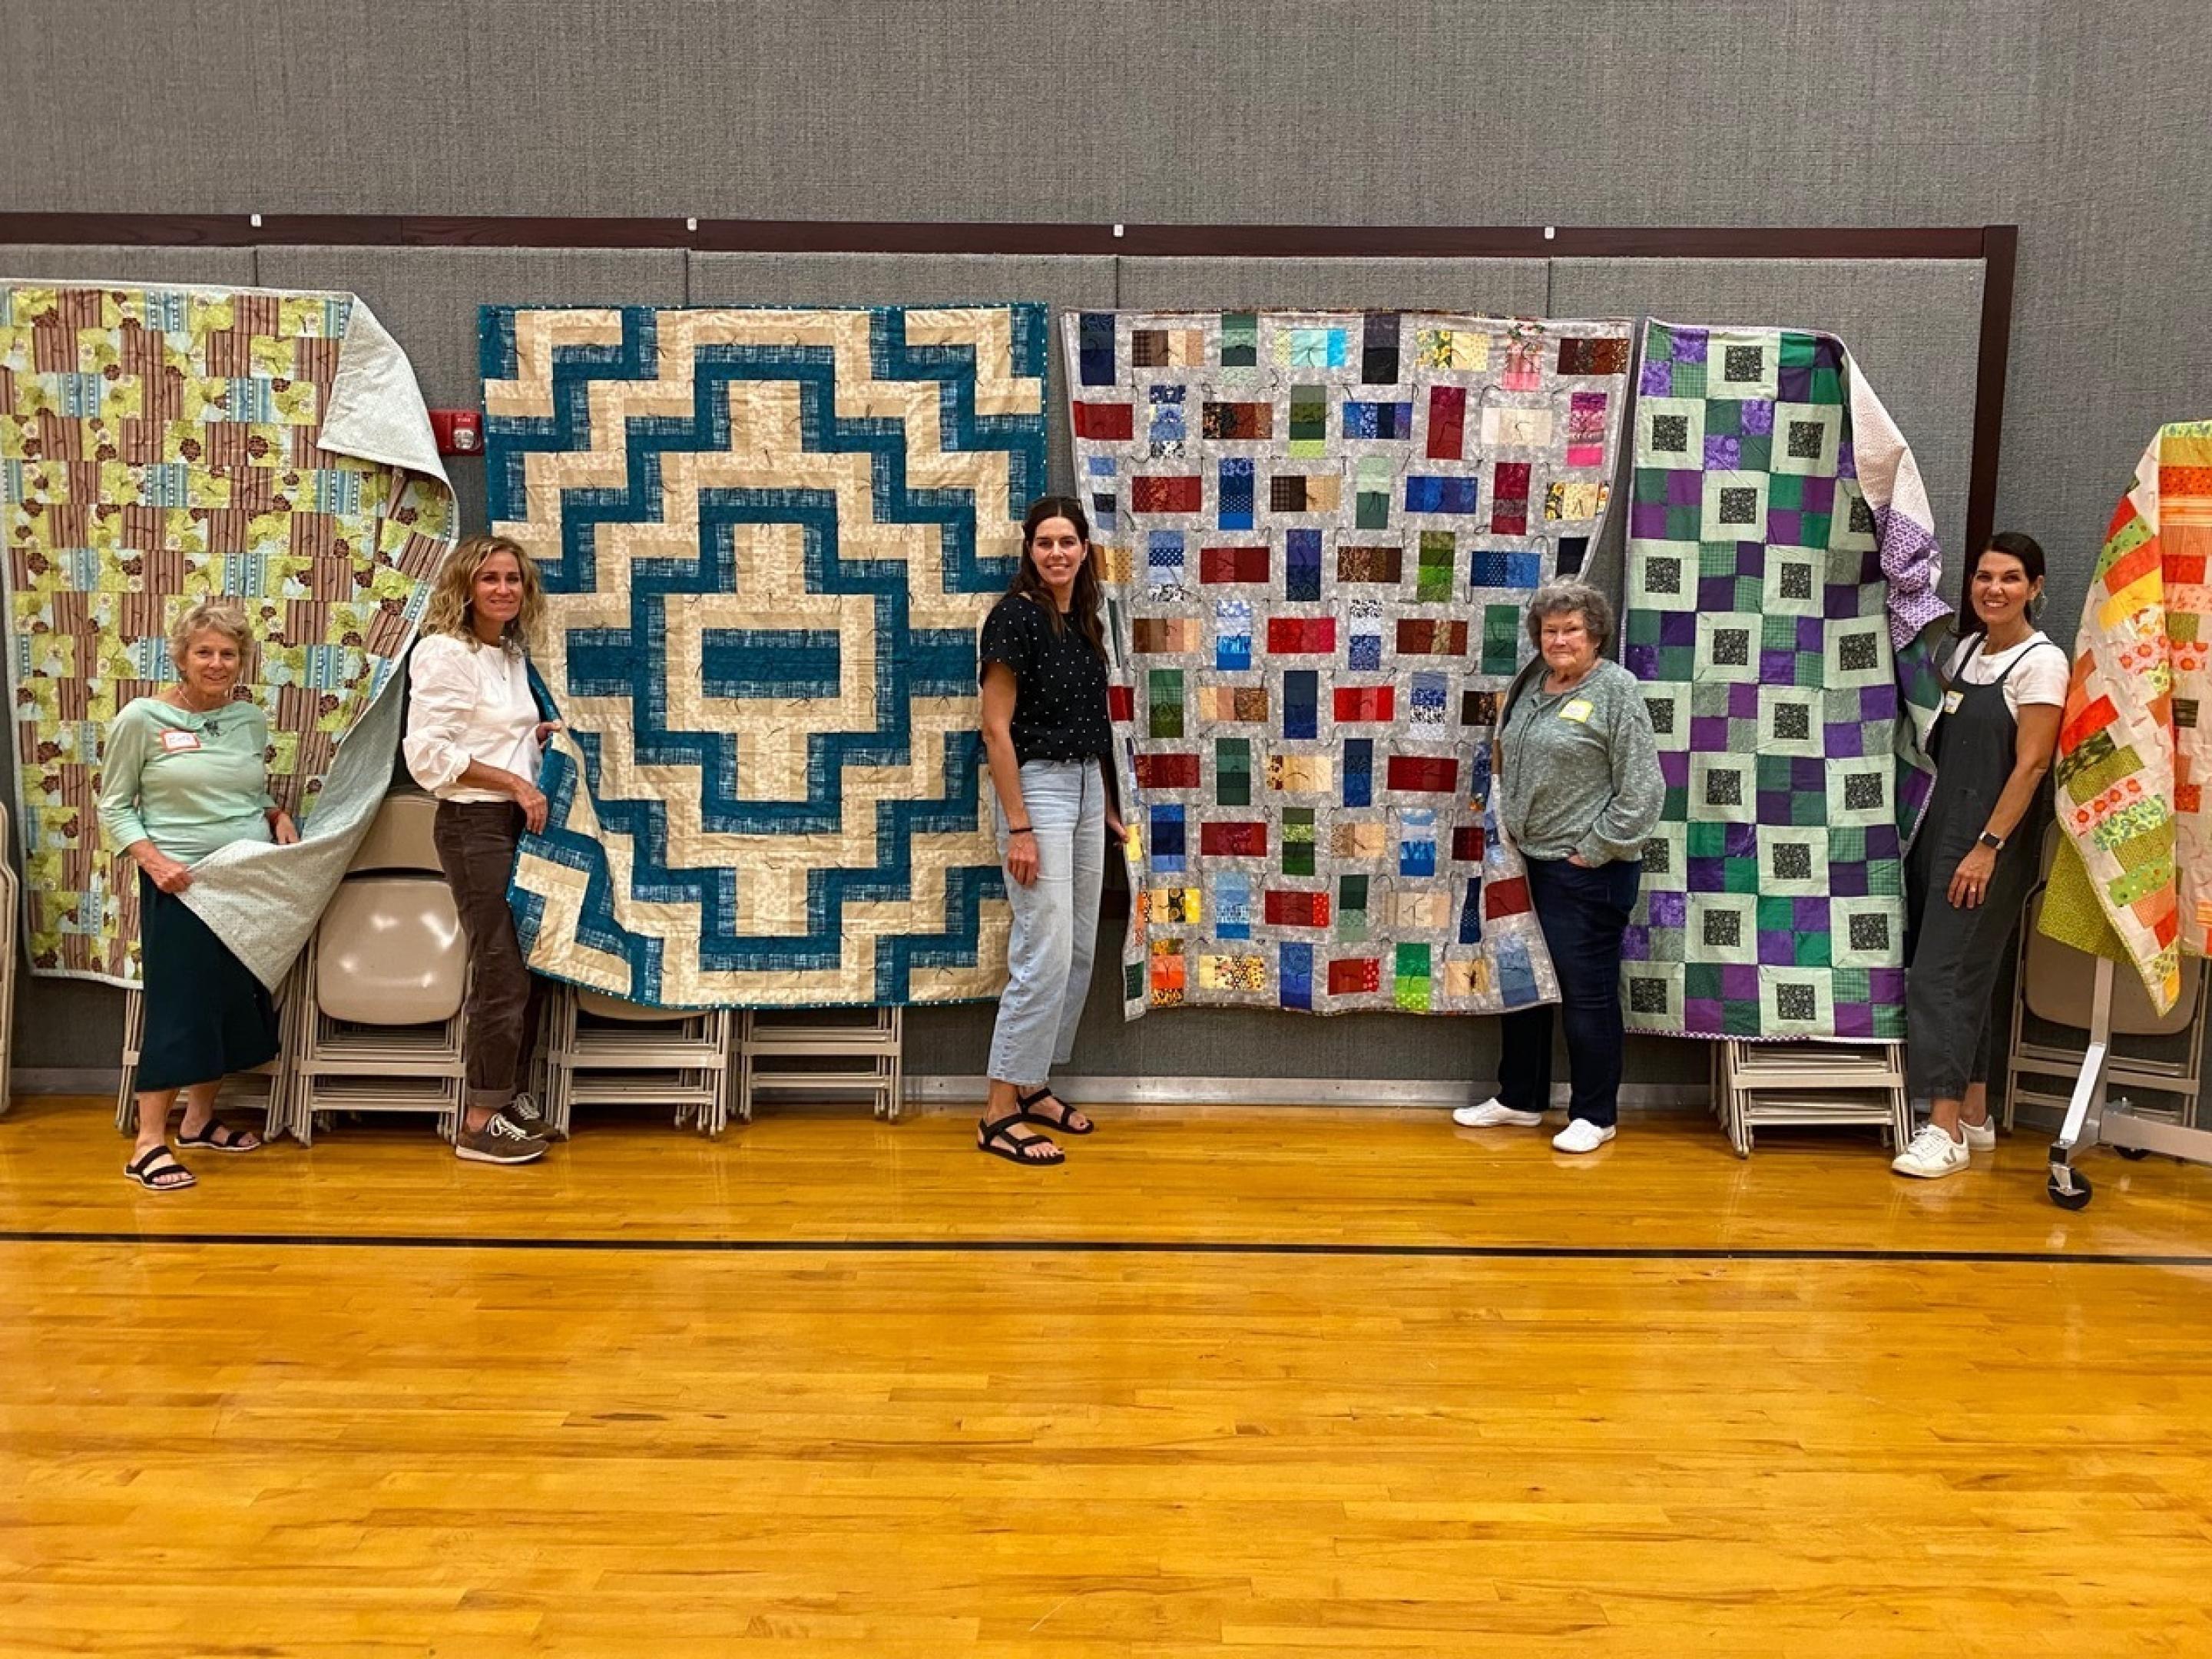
(187, 780)
(182, 774)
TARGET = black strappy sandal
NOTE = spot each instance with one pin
(1028, 1114)
(148, 1170)
(998, 1140)
(232, 1140)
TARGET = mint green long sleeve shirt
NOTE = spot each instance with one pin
(187, 782)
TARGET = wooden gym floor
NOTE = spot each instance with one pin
(1257, 1382)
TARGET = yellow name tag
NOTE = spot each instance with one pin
(1952, 699)
(1579, 711)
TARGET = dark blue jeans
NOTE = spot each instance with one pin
(1583, 914)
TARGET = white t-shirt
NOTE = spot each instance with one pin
(2044, 673)
(465, 703)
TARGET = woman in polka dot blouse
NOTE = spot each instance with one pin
(1046, 731)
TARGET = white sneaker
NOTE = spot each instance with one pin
(1581, 1136)
(1932, 1155)
(1493, 1114)
(1980, 1137)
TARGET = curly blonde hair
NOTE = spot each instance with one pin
(453, 596)
(216, 614)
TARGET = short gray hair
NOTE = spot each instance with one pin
(1568, 594)
(216, 614)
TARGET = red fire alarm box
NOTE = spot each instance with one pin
(458, 431)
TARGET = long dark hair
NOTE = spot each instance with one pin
(2015, 545)
(1084, 612)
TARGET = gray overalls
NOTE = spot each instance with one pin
(1952, 955)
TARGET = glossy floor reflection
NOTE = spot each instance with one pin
(384, 1448)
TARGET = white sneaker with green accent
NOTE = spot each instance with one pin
(1980, 1137)
(1932, 1155)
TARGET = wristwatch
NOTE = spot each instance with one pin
(1995, 843)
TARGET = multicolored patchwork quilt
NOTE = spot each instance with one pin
(2133, 754)
(161, 445)
(768, 538)
(1319, 531)
(1781, 568)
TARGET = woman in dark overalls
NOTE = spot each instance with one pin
(1976, 855)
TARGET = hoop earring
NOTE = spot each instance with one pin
(2035, 609)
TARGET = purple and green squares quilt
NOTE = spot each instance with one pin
(1780, 573)
(1317, 532)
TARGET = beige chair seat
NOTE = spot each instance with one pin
(400, 836)
(2061, 983)
(605, 1006)
(390, 952)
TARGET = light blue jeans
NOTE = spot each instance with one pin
(1056, 933)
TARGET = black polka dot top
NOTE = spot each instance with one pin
(1060, 682)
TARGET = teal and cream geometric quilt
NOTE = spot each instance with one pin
(768, 538)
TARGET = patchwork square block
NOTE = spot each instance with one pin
(1785, 686)
(1382, 489)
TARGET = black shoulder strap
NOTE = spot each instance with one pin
(2022, 656)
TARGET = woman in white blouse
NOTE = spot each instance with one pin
(474, 733)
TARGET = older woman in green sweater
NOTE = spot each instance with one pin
(182, 775)
(1578, 791)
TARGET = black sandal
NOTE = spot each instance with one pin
(1065, 1123)
(148, 1169)
(998, 1140)
(230, 1139)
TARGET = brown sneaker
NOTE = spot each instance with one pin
(501, 1140)
(526, 1115)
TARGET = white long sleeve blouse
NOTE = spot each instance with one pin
(465, 701)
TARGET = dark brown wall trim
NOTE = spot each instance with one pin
(862, 236)
(1996, 246)
(2001, 253)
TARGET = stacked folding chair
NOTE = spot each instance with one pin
(1824, 1085)
(2056, 984)
(375, 1021)
(601, 1050)
(11, 896)
(823, 1054)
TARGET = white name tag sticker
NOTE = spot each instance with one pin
(1579, 711)
(1952, 699)
(176, 743)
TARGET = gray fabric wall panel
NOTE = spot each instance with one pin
(883, 279)
(428, 296)
(103, 261)
(1913, 324)
(1084, 281)
(1496, 287)
(2112, 335)
(1807, 112)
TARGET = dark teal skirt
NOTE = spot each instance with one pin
(206, 1014)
